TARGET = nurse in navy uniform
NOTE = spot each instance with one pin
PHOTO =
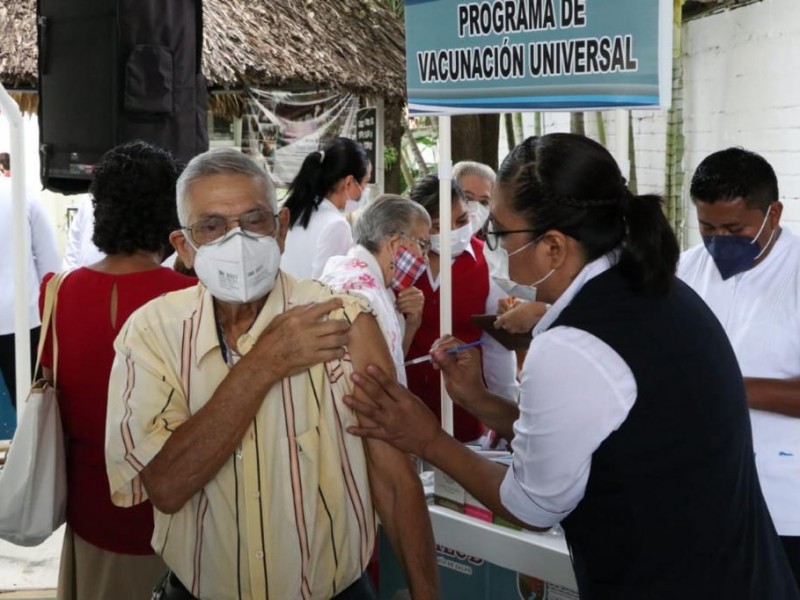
(632, 428)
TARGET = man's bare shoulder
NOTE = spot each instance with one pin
(368, 346)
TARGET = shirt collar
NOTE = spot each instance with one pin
(470, 250)
(204, 322)
(589, 272)
(328, 205)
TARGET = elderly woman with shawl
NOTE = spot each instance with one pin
(389, 255)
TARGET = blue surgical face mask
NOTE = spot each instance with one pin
(734, 254)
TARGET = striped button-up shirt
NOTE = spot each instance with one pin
(289, 515)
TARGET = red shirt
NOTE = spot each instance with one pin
(86, 334)
(470, 290)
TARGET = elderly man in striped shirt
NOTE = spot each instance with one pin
(225, 410)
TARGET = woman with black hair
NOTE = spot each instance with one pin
(516, 314)
(632, 427)
(107, 551)
(474, 293)
(329, 182)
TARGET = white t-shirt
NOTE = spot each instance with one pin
(760, 311)
(44, 257)
(575, 391)
(81, 250)
(307, 250)
(499, 364)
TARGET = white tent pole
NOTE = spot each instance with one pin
(21, 245)
(445, 255)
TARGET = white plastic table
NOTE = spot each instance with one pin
(541, 555)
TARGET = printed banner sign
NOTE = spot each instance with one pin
(286, 127)
(514, 55)
(366, 134)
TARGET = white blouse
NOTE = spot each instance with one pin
(575, 391)
(359, 273)
(308, 249)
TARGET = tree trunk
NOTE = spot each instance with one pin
(633, 184)
(475, 137)
(538, 126)
(394, 127)
(508, 121)
(408, 176)
(417, 153)
(519, 130)
(601, 128)
(576, 123)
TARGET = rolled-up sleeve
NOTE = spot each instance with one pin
(144, 408)
(575, 391)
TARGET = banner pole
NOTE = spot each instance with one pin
(445, 255)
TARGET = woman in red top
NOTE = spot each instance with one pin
(106, 552)
(474, 293)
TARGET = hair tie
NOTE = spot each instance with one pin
(321, 155)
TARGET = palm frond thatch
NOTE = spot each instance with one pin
(348, 45)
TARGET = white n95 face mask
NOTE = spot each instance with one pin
(459, 240)
(478, 214)
(238, 268)
(497, 260)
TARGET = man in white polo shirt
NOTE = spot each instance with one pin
(748, 271)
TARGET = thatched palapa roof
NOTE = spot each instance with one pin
(347, 45)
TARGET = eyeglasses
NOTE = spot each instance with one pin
(424, 245)
(254, 223)
(493, 235)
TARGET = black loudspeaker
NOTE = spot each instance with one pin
(112, 71)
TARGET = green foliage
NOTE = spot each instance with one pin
(396, 6)
(426, 140)
(389, 158)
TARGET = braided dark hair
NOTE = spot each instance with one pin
(520, 155)
(573, 185)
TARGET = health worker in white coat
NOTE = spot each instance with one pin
(748, 271)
